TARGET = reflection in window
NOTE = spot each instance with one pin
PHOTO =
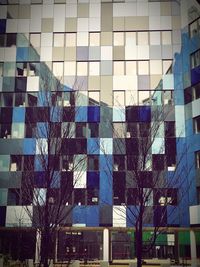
(194, 28)
(119, 99)
(195, 59)
(144, 98)
(196, 123)
(35, 39)
(58, 69)
(93, 130)
(17, 130)
(93, 163)
(167, 66)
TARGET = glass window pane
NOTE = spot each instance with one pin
(70, 39)
(18, 130)
(118, 38)
(70, 68)
(155, 66)
(58, 69)
(130, 38)
(144, 98)
(143, 67)
(167, 66)
(131, 97)
(35, 39)
(143, 38)
(131, 68)
(94, 39)
(58, 39)
(94, 98)
(118, 67)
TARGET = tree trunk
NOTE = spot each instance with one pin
(139, 242)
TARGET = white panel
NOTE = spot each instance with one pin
(82, 38)
(119, 216)
(17, 216)
(23, 25)
(46, 54)
(125, 82)
(106, 53)
(94, 24)
(95, 10)
(3, 12)
(41, 146)
(71, 11)
(124, 9)
(195, 214)
(11, 25)
(168, 81)
(82, 24)
(79, 180)
(35, 25)
(106, 146)
(154, 9)
(10, 54)
(47, 11)
(36, 12)
(154, 22)
(165, 22)
(142, 9)
(32, 83)
(143, 52)
(180, 121)
(59, 18)
(131, 52)
(46, 39)
(196, 108)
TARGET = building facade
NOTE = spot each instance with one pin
(101, 96)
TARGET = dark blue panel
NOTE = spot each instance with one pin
(22, 54)
(55, 183)
(92, 179)
(2, 216)
(39, 179)
(56, 114)
(130, 218)
(195, 75)
(93, 114)
(29, 146)
(2, 25)
(92, 213)
(145, 114)
(173, 215)
(79, 215)
(18, 114)
(160, 216)
(93, 146)
(40, 162)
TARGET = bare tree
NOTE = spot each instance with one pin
(156, 176)
(55, 170)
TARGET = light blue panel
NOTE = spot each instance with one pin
(18, 114)
(106, 146)
(22, 53)
(93, 146)
(189, 127)
(79, 215)
(92, 215)
(158, 146)
(56, 114)
(168, 81)
(81, 114)
(44, 99)
(42, 129)
(119, 114)
(29, 145)
(40, 161)
(173, 215)
(130, 218)
(180, 121)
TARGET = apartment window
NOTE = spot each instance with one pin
(195, 59)
(196, 123)
(79, 196)
(192, 93)
(144, 98)
(131, 67)
(15, 163)
(197, 157)
(11, 39)
(32, 99)
(5, 131)
(82, 68)
(155, 38)
(119, 188)
(164, 197)
(194, 28)
(81, 130)
(19, 99)
(94, 68)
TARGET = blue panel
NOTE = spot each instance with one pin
(81, 114)
(145, 114)
(39, 179)
(40, 162)
(55, 183)
(33, 55)
(79, 214)
(93, 146)
(18, 114)
(173, 215)
(2, 25)
(29, 145)
(92, 216)
(195, 75)
(44, 99)
(92, 180)
(56, 114)
(93, 114)
(130, 218)
(42, 129)
(22, 54)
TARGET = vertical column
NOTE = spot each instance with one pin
(106, 245)
(56, 247)
(193, 248)
(37, 246)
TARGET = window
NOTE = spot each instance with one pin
(93, 129)
(58, 39)
(119, 188)
(118, 67)
(166, 37)
(164, 197)
(196, 124)
(19, 99)
(94, 68)
(195, 59)
(119, 99)
(197, 157)
(118, 38)
(92, 196)
(1, 69)
(131, 68)
(81, 130)
(142, 38)
(79, 196)
(93, 163)
(143, 67)
(70, 39)
(94, 39)
(192, 93)
(15, 163)
(194, 28)
(155, 38)
(58, 69)
(94, 98)
(82, 68)
(5, 131)
(35, 39)
(7, 99)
